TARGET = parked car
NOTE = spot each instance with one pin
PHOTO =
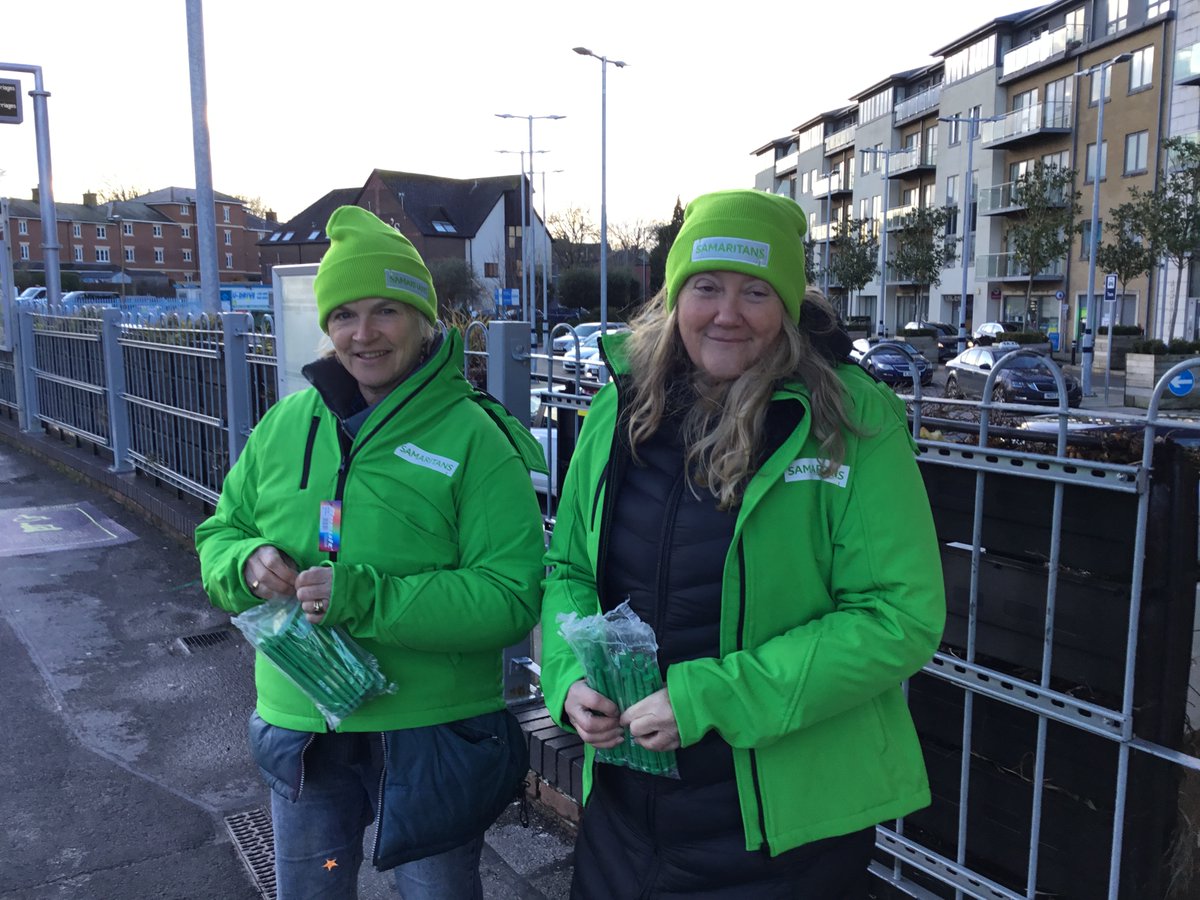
(1026, 379)
(90, 298)
(890, 364)
(993, 330)
(947, 337)
(566, 341)
(574, 359)
(33, 293)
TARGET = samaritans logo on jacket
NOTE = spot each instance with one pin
(815, 470)
(730, 249)
(415, 454)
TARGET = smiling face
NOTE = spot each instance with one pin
(377, 341)
(728, 322)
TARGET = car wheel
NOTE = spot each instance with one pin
(952, 390)
(1000, 394)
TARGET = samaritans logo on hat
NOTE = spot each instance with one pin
(399, 281)
(729, 249)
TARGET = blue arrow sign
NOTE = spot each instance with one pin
(1181, 385)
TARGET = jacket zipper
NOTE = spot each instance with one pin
(379, 803)
(308, 451)
(741, 640)
(303, 750)
(664, 543)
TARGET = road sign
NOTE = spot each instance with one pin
(1181, 385)
(1059, 295)
(1110, 288)
(10, 102)
(508, 297)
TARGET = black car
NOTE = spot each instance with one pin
(1025, 379)
(889, 363)
(947, 337)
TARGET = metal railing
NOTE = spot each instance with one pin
(1005, 265)
(1042, 48)
(8, 380)
(918, 103)
(1028, 120)
(68, 372)
(839, 139)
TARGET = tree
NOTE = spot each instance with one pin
(112, 192)
(572, 231)
(637, 237)
(254, 205)
(664, 237)
(1126, 254)
(922, 247)
(812, 268)
(1043, 235)
(457, 285)
(854, 259)
(1170, 214)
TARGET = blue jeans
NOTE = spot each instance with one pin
(319, 838)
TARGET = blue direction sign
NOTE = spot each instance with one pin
(508, 297)
(1110, 288)
(10, 102)
(1181, 385)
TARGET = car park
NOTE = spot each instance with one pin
(565, 341)
(947, 337)
(890, 363)
(1027, 378)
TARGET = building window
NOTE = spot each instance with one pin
(129, 251)
(866, 163)
(1090, 171)
(159, 256)
(24, 251)
(187, 255)
(1137, 146)
(951, 190)
(973, 127)
(22, 226)
(228, 238)
(864, 208)
(77, 230)
(225, 213)
(1157, 8)
(1060, 160)
(157, 231)
(102, 254)
(127, 229)
(1141, 69)
(1118, 15)
(101, 232)
(78, 253)
(229, 260)
(188, 277)
(1094, 97)
(444, 227)
(955, 136)
(491, 270)
(186, 231)
(1085, 238)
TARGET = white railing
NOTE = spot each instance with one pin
(1042, 47)
(918, 103)
(839, 139)
(1054, 114)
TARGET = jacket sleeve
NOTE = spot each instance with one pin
(229, 536)
(488, 601)
(888, 613)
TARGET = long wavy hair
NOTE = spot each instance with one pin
(723, 421)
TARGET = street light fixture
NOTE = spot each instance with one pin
(525, 264)
(1085, 381)
(605, 62)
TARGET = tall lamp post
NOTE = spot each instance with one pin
(525, 250)
(605, 62)
(121, 252)
(967, 204)
(546, 266)
(1085, 381)
(524, 199)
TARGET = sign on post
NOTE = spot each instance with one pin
(508, 297)
(10, 102)
(1110, 288)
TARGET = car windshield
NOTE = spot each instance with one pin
(1028, 363)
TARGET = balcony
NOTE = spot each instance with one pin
(1003, 267)
(1003, 199)
(1042, 48)
(1027, 124)
(839, 140)
(785, 165)
(1187, 65)
(895, 217)
(833, 184)
(821, 232)
(918, 104)
(912, 161)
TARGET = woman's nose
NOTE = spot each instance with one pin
(728, 310)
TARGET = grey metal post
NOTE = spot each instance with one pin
(968, 186)
(603, 195)
(508, 376)
(206, 214)
(236, 328)
(25, 365)
(119, 434)
(1085, 381)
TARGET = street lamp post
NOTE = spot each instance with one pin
(524, 259)
(1085, 381)
(605, 62)
(525, 250)
(546, 266)
(121, 252)
(968, 189)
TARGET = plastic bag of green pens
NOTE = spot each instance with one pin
(619, 655)
(329, 666)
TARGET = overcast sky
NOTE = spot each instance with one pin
(305, 97)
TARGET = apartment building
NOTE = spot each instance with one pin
(1000, 98)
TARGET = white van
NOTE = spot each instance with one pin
(32, 293)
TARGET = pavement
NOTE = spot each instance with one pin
(123, 755)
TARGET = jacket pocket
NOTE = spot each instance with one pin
(279, 753)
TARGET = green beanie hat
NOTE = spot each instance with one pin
(745, 231)
(369, 258)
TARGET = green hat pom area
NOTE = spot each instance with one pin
(369, 258)
(745, 231)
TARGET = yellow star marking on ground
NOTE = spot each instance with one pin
(330, 865)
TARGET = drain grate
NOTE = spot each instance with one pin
(254, 839)
(205, 640)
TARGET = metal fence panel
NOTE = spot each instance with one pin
(8, 380)
(68, 371)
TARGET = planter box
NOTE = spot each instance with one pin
(927, 345)
(1142, 372)
(1120, 348)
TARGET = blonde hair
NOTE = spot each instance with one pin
(723, 425)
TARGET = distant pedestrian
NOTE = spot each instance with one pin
(394, 500)
(756, 498)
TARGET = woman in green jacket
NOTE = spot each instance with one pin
(394, 500)
(756, 499)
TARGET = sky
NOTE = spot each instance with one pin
(305, 97)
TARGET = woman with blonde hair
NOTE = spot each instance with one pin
(756, 499)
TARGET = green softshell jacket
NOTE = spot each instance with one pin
(832, 595)
(441, 541)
